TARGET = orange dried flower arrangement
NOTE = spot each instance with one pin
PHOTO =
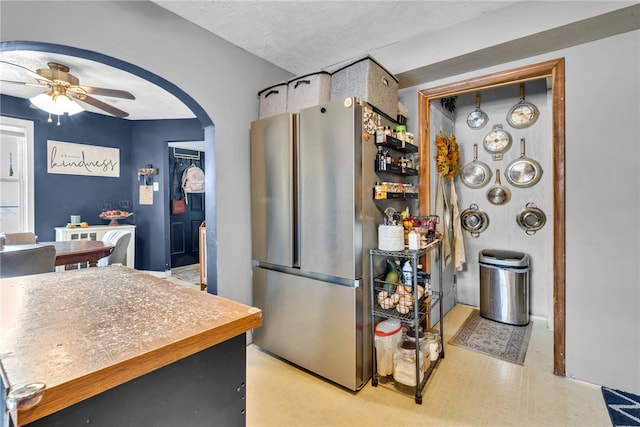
(447, 155)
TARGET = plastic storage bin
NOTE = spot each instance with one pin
(504, 286)
(308, 91)
(368, 80)
(388, 334)
(273, 100)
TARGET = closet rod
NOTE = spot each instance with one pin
(185, 156)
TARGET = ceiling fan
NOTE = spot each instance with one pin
(63, 86)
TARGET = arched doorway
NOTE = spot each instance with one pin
(553, 70)
(198, 111)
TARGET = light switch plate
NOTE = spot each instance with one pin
(156, 187)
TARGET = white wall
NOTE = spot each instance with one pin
(603, 197)
(603, 205)
(222, 78)
(503, 231)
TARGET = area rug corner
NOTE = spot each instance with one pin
(623, 407)
(500, 340)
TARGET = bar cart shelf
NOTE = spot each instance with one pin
(416, 315)
(398, 145)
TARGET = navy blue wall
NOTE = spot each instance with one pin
(149, 145)
(58, 196)
(140, 142)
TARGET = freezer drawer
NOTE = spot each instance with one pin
(313, 324)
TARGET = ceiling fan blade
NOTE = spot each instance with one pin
(105, 92)
(99, 104)
(25, 83)
(31, 73)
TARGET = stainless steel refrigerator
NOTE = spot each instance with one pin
(313, 221)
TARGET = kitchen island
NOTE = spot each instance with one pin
(119, 347)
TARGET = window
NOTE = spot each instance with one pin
(16, 175)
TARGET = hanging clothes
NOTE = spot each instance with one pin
(459, 256)
(442, 210)
(178, 201)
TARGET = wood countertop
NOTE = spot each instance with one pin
(83, 332)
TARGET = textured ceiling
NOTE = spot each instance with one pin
(298, 36)
(307, 36)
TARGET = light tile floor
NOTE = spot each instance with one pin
(467, 389)
(182, 282)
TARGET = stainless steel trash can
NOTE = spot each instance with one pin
(504, 286)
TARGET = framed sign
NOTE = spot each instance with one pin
(81, 159)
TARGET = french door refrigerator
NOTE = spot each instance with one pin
(313, 222)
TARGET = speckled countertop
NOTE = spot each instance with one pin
(83, 332)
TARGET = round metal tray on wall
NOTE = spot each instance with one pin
(497, 142)
(477, 119)
(498, 194)
(475, 174)
(474, 220)
(523, 114)
(523, 171)
(531, 218)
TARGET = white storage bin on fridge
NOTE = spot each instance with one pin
(308, 91)
(368, 80)
(273, 100)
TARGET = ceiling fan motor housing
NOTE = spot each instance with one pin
(59, 74)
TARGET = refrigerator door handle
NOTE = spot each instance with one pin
(295, 141)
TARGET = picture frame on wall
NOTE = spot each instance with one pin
(69, 158)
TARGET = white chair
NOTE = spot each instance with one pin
(24, 262)
(120, 240)
(22, 238)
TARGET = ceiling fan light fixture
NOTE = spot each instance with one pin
(56, 104)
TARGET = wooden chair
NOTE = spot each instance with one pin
(120, 240)
(24, 262)
(25, 238)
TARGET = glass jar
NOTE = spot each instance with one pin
(404, 363)
(380, 135)
(422, 342)
(413, 240)
(401, 131)
(436, 332)
(431, 341)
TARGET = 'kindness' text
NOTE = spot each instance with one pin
(73, 162)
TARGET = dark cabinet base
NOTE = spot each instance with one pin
(205, 389)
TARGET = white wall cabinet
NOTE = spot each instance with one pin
(95, 232)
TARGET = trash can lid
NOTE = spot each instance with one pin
(504, 257)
